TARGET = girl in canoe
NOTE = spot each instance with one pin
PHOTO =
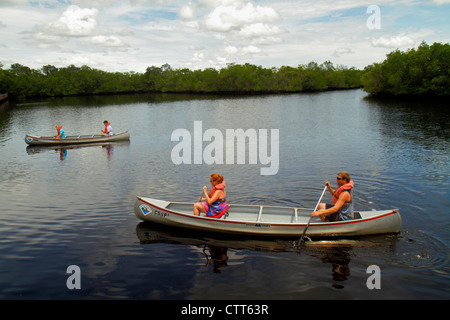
(215, 201)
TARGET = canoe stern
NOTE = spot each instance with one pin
(370, 223)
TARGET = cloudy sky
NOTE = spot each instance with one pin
(130, 35)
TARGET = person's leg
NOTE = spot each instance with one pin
(199, 207)
(323, 206)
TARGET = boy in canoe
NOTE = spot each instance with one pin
(342, 207)
(108, 129)
(61, 134)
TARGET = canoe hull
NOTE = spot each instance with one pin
(266, 221)
(72, 140)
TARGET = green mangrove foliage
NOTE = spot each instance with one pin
(22, 81)
(424, 71)
(419, 72)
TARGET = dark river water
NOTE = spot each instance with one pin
(74, 206)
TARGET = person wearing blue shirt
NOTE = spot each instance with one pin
(61, 134)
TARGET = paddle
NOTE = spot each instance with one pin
(304, 231)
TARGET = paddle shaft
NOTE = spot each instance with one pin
(201, 196)
(306, 228)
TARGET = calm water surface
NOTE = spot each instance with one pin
(75, 206)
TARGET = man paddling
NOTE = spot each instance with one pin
(342, 207)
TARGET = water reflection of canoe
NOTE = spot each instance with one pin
(149, 233)
(33, 149)
(81, 139)
(266, 220)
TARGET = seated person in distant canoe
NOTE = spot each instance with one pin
(61, 134)
(215, 202)
(108, 129)
(342, 207)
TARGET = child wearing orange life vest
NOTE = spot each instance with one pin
(215, 204)
(61, 134)
(108, 129)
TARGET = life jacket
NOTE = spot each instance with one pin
(219, 207)
(219, 186)
(346, 187)
(106, 127)
(345, 212)
(59, 132)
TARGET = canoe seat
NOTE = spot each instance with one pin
(356, 215)
(224, 213)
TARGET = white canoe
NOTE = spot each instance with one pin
(81, 139)
(266, 220)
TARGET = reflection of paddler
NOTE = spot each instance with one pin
(339, 259)
(61, 134)
(219, 257)
(62, 154)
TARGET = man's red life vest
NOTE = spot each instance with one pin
(345, 187)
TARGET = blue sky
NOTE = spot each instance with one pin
(130, 35)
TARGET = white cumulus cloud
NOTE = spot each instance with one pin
(259, 29)
(251, 49)
(187, 12)
(339, 52)
(227, 17)
(74, 21)
(108, 41)
(392, 42)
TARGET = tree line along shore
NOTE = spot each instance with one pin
(416, 72)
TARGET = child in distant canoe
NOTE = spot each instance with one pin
(61, 134)
(108, 129)
(215, 204)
